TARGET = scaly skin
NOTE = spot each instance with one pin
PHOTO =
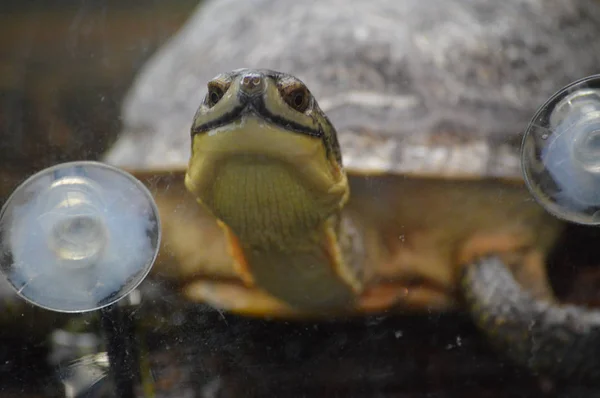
(552, 340)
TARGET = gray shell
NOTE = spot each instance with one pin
(439, 87)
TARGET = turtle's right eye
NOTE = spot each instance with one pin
(296, 96)
(215, 93)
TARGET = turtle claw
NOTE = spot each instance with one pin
(560, 341)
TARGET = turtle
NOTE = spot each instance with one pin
(338, 158)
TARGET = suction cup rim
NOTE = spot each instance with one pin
(540, 120)
(96, 166)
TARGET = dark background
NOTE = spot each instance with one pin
(64, 68)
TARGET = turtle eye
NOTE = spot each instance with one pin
(215, 93)
(297, 97)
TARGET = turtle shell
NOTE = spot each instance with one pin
(438, 87)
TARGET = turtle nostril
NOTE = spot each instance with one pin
(252, 83)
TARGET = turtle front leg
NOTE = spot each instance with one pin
(561, 341)
(239, 299)
(519, 251)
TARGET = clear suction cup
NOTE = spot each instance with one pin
(78, 236)
(561, 153)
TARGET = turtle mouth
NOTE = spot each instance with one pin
(255, 106)
(225, 155)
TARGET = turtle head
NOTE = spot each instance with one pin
(264, 155)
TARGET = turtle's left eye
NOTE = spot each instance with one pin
(215, 93)
(297, 98)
